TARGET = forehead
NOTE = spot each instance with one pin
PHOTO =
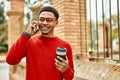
(47, 14)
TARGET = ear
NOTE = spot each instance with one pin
(56, 22)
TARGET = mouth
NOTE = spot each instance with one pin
(44, 28)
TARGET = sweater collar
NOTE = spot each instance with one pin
(48, 38)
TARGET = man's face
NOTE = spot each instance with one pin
(47, 22)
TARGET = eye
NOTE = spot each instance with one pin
(49, 20)
(42, 19)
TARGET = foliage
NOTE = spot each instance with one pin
(3, 47)
(2, 17)
(3, 37)
(3, 29)
(114, 36)
(46, 1)
(28, 4)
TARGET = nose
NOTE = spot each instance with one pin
(44, 22)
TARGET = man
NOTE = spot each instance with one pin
(40, 50)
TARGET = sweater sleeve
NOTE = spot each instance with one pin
(17, 50)
(69, 73)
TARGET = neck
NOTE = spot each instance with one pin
(48, 35)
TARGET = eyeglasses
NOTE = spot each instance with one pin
(42, 19)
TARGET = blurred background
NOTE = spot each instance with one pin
(92, 27)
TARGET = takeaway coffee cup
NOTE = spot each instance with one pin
(61, 51)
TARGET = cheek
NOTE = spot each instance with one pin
(39, 23)
(53, 24)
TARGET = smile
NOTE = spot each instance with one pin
(44, 28)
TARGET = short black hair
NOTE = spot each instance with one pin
(50, 9)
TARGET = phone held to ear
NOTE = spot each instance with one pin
(36, 29)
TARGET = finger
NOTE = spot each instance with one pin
(61, 59)
(33, 28)
(34, 22)
(37, 28)
(58, 61)
(59, 68)
(60, 64)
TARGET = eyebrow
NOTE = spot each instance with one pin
(46, 17)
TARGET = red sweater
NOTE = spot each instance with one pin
(40, 53)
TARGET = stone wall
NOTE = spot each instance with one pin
(72, 13)
(18, 72)
(84, 70)
(15, 21)
(15, 27)
(96, 71)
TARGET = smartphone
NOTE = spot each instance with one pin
(61, 51)
(38, 28)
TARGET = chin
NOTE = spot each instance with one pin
(44, 33)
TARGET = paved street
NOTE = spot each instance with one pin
(4, 71)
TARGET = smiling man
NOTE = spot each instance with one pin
(40, 50)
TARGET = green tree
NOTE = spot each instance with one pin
(28, 4)
(2, 17)
(3, 37)
(3, 29)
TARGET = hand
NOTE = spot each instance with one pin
(61, 64)
(33, 28)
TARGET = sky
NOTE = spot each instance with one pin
(93, 8)
(7, 7)
(99, 8)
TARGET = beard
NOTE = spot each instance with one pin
(44, 33)
(42, 30)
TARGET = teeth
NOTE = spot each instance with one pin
(44, 28)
